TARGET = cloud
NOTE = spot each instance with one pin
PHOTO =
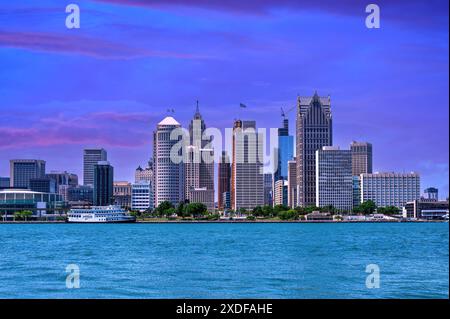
(93, 47)
(414, 12)
(127, 130)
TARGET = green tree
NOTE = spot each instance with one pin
(388, 210)
(366, 208)
(257, 211)
(196, 209)
(242, 211)
(267, 211)
(288, 215)
(23, 215)
(163, 207)
(279, 208)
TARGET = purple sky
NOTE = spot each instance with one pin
(108, 83)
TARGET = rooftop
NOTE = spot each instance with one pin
(169, 120)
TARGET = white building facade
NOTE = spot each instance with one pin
(390, 189)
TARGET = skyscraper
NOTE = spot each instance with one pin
(199, 165)
(285, 151)
(90, 158)
(247, 181)
(103, 184)
(224, 178)
(169, 174)
(334, 182)
(144, 174)
(361, 158)
(280, 192)
(22, 171)
(268, 189)
(292, 183)
(314, 130)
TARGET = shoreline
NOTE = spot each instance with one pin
(234, 222)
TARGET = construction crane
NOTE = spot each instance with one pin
(283, 113)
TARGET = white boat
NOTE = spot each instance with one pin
(100, 214)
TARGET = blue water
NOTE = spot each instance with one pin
(224, 260)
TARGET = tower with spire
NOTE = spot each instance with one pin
(199, 172)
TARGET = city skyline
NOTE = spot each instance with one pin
(53, 107)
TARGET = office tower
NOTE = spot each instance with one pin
(334, 182)
(361, 158)
(144, 174)
(431, 194)
(268, 189)
(43, 185)
(224, 178)
(4, 182)
(169, 174)
(122, 194)
(247, 179)
(356, 191)
(390, 189)
(285, 151)
(64, 181)
(90, 158)
(292, 183)
(226, 200)
(314, 130)
(21, 171)
(103, 184)
(80, 194)
(199, 164)
(142, 196)
(281, 192)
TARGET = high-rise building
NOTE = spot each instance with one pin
(292, 183)
(314, 130)
(281, 192)
(431, 193)
(22, 171)
(169, 174)
(356, 191)
(122, 194)
(285, 151)
(142, 196)
(334, 182)
(247, 178)
(43, 185)
(224, 178)
(361, 158)
(63, 178)
(144, 174)
(4, 182)
(268, 189)
(90, 158)
(64, 181)
(80, 195)
(199, 164)
(103, 184)
(390, 189)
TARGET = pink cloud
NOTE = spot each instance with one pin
(128, 130)
(94, 47)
